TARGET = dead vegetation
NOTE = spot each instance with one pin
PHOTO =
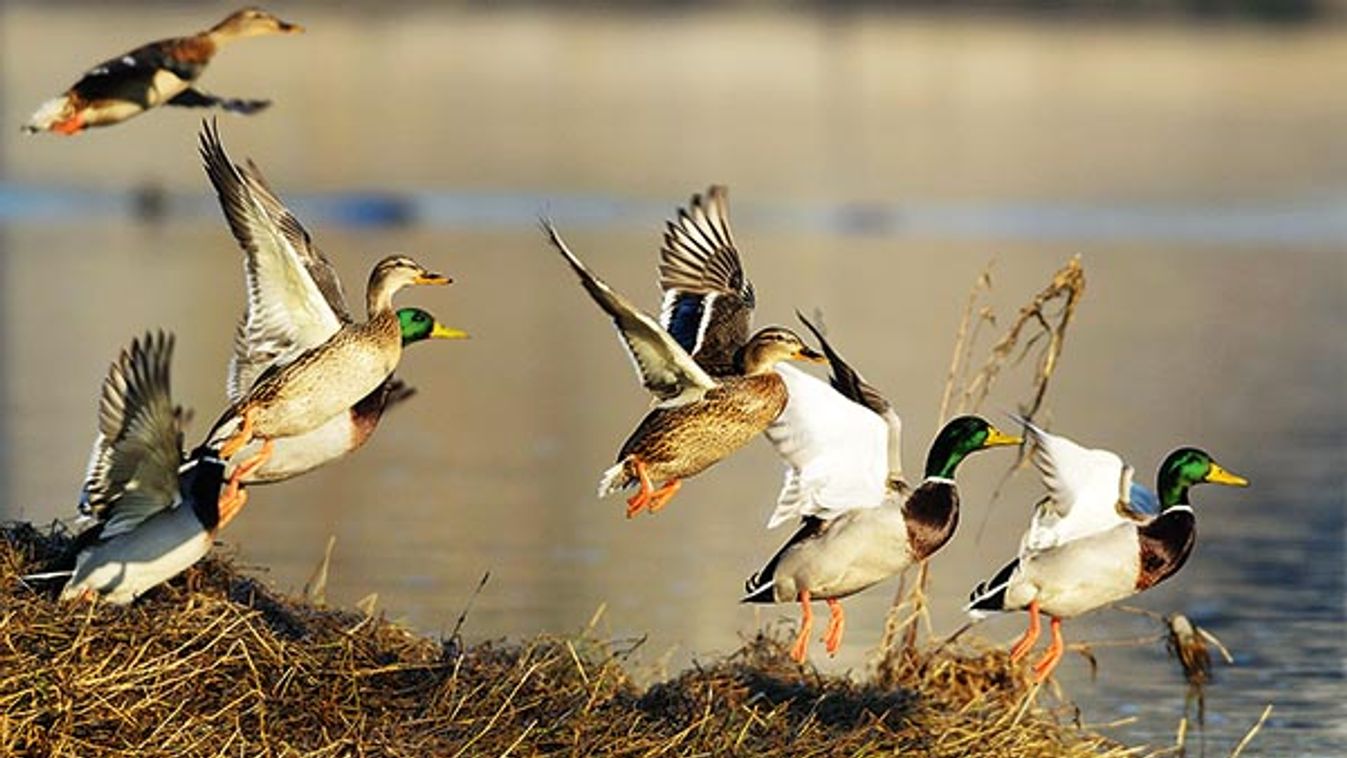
(216, 664)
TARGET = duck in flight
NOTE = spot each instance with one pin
(158, 73)
(699, 419)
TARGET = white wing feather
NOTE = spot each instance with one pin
(1084, 489)
(836, 451)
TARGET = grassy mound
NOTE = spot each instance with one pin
(216, 663)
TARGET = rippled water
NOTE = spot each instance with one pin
(876, 165)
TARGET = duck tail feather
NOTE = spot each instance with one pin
(990, 596)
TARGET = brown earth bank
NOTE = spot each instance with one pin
(215, 663)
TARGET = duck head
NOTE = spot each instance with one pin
(1186, 467)
(392, 274)
(418, 325)
(252, 22)
(772, 345)
(961, 437)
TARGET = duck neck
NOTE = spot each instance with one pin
(1173, 489)
(943, 459)
(379, 296)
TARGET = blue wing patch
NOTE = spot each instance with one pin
(685, 319)
(1143, 502)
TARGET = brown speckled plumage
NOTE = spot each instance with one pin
(679, 442)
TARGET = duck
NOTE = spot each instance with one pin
(295, 368)
(156, 511)
(1126, 555)
(707, 303)
(158, 73)
(859, 522)
(698, 420)
(295, 302)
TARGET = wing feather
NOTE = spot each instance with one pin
(1085, 490)
(295, 300)
(836, 451)
(663, 366)
(133, 471)
(708, 301)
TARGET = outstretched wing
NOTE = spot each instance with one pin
(133, 470)
(836, 451)
(853, 386)
(708, 302)
(1088, 490)
(664, 367)
(295, 300)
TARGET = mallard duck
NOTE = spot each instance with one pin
(708, 301)
(698, 420)
(1084, 568)
(295, 302)
(155, 74)
(859, 524)
(297, 363)
(156, 511)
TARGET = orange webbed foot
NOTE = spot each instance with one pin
(69, 126)
(661, 497)
(641, 499)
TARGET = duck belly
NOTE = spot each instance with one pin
(685, 440)
(321, 385)
(854, 552)
(1081, 575)
(303, 453)
(126, 566)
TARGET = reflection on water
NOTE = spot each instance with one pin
(1183, 338)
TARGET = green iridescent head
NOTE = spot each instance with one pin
(1186, 467)
(418, 325)
(959, 438)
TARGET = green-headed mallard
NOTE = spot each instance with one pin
(859, 524)
(156, 511)
(155, 74)
(295, 303)
(297, 362)
(1086, 547)
(698, 420)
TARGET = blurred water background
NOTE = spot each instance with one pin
(1193, 156)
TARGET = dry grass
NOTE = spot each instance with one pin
(216, 664)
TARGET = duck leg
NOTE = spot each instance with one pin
(1030, 635)
(70, 126)
(234, 497)
(837, 622)
(1045, 666)
(242, 437)
(797, 651)
(638, 501)
(661, 497)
